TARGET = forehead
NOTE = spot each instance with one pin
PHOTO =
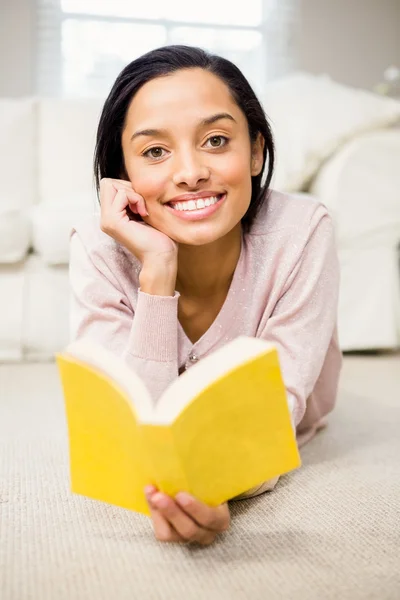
(187, 95)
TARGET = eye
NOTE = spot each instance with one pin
(156, 152)
(218, 141)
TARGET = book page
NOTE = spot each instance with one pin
(118, 371)
(211, 368)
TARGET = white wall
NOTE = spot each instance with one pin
(352, 40)
(17, 19)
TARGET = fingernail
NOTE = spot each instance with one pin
(149, 490)
(183, 498)
(160, 501)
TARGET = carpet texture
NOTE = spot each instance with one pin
(330, 530)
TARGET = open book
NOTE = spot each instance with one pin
(219, 429)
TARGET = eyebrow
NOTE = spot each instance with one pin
(207, 121)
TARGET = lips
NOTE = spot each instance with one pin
(193, 209)
(196, 196)
(196, 204)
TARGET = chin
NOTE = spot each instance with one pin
(200, 236)
(197, 240)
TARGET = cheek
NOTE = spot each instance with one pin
(146, 181)
(235, 170)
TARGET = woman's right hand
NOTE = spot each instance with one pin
(150, 246)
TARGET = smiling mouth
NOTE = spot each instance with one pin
(189, 205)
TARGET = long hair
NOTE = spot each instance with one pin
(108, 157)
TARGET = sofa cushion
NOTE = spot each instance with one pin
(51, 227)
(360, 186)
(15, 235)
(311, 117)
(45, 308)
(18, 153)
(67, 133)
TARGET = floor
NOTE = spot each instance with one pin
(330, 530)
(372, 374)
(366, 374)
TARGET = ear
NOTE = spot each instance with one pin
(257, 155)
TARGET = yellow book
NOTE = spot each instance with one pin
(219, 429)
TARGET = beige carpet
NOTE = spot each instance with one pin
(329, 531)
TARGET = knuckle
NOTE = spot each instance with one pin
(119, 189)
(224, 520)
(104, 181)
(221, 524)
(213, 523)
(106, 227)
(224, 525)
(208, 539)
(189, 532)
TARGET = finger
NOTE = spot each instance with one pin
(163, 531)
(213, 518)
(149, 490)
(120, 202)
(109, 189)
(107, 193)
(136, 202)
(123, 182)
(111, 214)
(180, 521)
(137, 205)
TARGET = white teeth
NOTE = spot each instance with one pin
(195, 204)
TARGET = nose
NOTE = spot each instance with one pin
(190, 170)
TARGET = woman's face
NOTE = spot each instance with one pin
(187, 151)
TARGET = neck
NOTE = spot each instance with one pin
(205, 271)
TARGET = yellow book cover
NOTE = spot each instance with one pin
(219, 429)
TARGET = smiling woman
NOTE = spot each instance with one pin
(192, 250)
(195, 140)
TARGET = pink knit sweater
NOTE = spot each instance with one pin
(284, 290)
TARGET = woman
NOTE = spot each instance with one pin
(192, 250)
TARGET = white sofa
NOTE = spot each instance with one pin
(340, 144)
(46, 149)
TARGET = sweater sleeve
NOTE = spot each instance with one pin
(147, 339)
(303, 322)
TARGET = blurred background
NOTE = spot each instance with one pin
(327, 73)
(77, 47)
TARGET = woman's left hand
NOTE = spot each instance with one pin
(184, 518)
